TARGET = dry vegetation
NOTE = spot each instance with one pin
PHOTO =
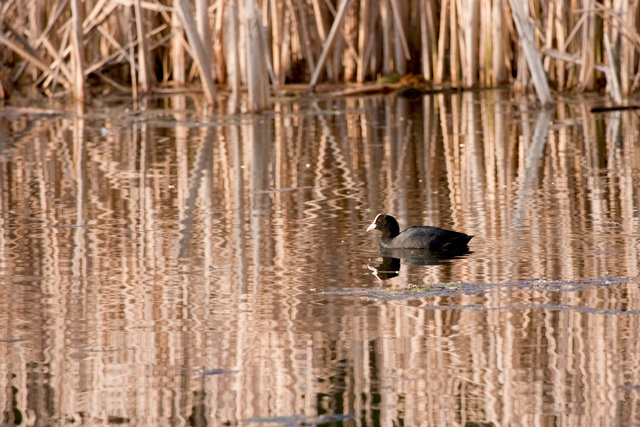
(134, 46)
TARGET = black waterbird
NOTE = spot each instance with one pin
(433, 239)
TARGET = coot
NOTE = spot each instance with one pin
(419, 237)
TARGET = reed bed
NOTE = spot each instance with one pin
(71, 46)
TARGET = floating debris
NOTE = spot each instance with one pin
(12, 340)
(461, 288)
(301, 420)
(208, 372)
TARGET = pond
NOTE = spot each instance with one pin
(161, 266)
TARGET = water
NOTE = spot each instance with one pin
(165, 268)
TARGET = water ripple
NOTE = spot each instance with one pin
(461, 288)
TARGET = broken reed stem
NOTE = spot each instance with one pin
(198, 49)
(342, 13)
(527, 38)
(37, 62)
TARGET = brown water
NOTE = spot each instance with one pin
(165, 268)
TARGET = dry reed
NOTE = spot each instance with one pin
(131, 45)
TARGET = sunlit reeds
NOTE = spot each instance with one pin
(134, 46)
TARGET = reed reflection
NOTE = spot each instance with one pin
(155, 272)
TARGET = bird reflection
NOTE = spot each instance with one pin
(393, 258)
(388, 268)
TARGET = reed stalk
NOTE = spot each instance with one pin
(387, 65)
(454, 60)
(626, 50)
(586, 77)
(613, 82)
(77, 54)
(347, 51)
(428, 39)
(471, 42)
(204, 30)
(257, 79)
(424, 42)
(143, 51)
(363, 38)
(442, 42)
(401, 46)
(218, 52)
(560, 22)
(131, 57)
(178, 63)
(300, 28)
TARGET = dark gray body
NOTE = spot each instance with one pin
(429, 238)
(425, 237)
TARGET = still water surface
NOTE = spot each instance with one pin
(167, 268)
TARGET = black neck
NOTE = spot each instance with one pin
(391, 229)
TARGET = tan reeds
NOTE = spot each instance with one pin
(200, 47)
(526, 31)
(178, 69)
(257, 77)
(333, 33)
(143, 50)
(77, 56)
(264, 44)
(234, 58)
